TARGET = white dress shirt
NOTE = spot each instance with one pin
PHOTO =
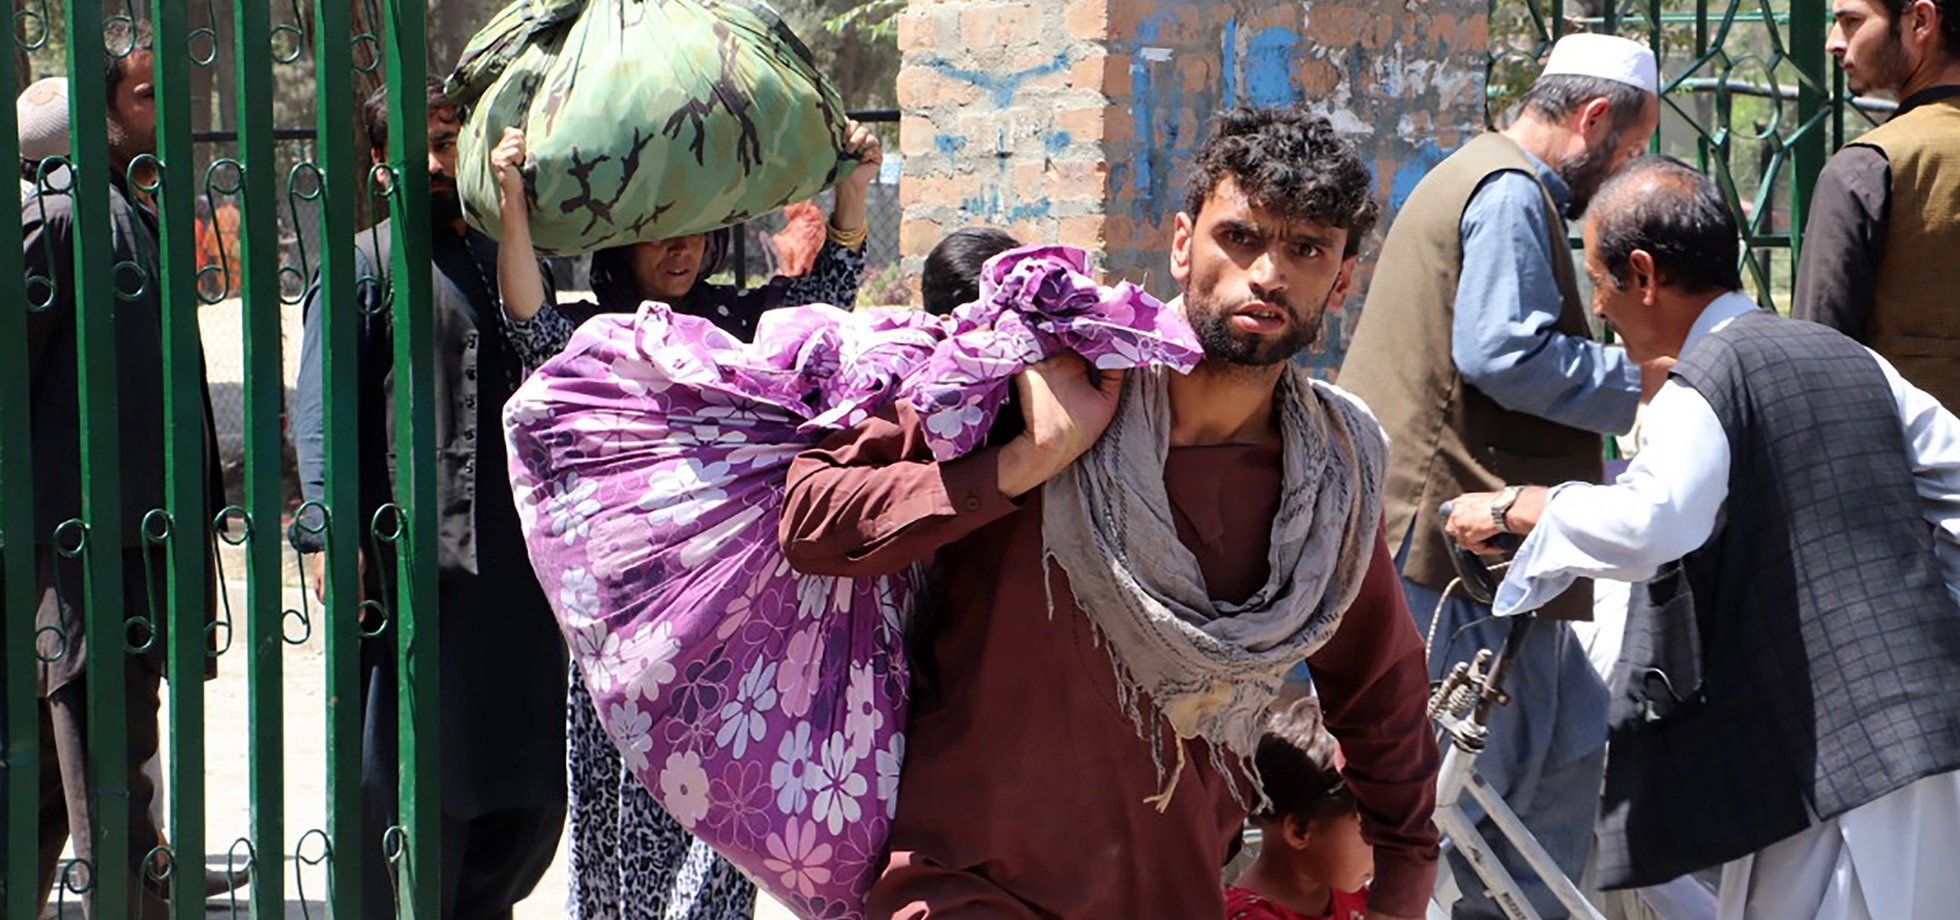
(1666, 504)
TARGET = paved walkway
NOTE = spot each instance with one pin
(227, 778)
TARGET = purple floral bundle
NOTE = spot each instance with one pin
(764, 708)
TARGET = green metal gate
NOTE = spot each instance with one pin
(1748, 94)
(271, 45)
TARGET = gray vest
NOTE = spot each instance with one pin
(1803, 661)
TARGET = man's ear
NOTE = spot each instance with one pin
(1595, 116)
(1640, 263)
(1920, 20)
(1343, 282)
(1183, 233)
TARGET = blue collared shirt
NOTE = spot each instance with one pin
(1504, 338)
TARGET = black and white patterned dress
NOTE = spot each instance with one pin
(630, 860)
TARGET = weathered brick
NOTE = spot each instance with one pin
(1081, 176)
(915, 135)
(1085, 124)
(1088, 20)
(954, 91)
(1086, 233)
(989, 25)
(915, 31)
(917, 237)
(1088, 70)
(917, 87)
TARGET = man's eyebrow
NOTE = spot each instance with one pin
(1320, 238)
(1240, 224)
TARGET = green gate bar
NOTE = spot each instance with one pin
(259, 307)
(186, 534)
(418, 638)
(101, 533)
(339, 172)
(20, 755)
(1807, 26)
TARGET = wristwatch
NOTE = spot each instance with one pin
(1501, 507)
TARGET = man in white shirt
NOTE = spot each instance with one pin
(1792, 656)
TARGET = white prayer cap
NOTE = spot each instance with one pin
(42, 111)
(1608, 57)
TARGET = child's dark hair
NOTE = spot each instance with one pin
(952, 272)
(1296, 762)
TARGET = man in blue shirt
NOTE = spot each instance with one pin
(1475, 350)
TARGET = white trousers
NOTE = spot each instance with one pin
(1897, 858)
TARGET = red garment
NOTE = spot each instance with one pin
(1023, 786)
(1245, 904)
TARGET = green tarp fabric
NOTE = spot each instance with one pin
(645, 119)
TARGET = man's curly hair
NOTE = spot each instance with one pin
(1291, 162)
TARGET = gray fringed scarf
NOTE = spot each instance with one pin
(1212, 669)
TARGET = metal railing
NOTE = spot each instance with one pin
(264, 54)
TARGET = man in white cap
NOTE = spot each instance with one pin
(41, 118)
(1475, 352)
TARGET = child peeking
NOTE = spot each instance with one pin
(1313, 863)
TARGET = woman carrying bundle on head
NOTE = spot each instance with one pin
(629, 857)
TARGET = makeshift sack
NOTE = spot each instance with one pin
(764, 708)
(644, 119)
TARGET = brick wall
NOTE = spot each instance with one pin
(1003, 118)
(1074, 121)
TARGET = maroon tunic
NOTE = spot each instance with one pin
(1024, 781)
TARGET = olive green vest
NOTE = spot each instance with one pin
(1915, 313)
(1446, 438)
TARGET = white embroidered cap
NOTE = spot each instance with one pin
(1608, 57)
(42, 113)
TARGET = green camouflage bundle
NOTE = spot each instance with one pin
(645, 119)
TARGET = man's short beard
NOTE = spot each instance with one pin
(1887, 68)
(445, 207)
(1225, 347)
(1584, 174)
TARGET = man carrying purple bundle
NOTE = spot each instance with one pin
(1127, 570)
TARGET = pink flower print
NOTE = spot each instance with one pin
(637, 377)
(578, 596)
(570, 507)
(763, 455)
(891, 761)
(1126, 349)
(621, 545)
(703, 684)
(677, 495)
(746, 717)
(798, 858)
(837, 785)
(790, 777)
(526, 411)
(606, 433)
(598, 653)
(648, 656)
(742, 790)
(632, 730)
(798, 678)
(684, 788)
(950, 422)
(863, 719)
(818, 595)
